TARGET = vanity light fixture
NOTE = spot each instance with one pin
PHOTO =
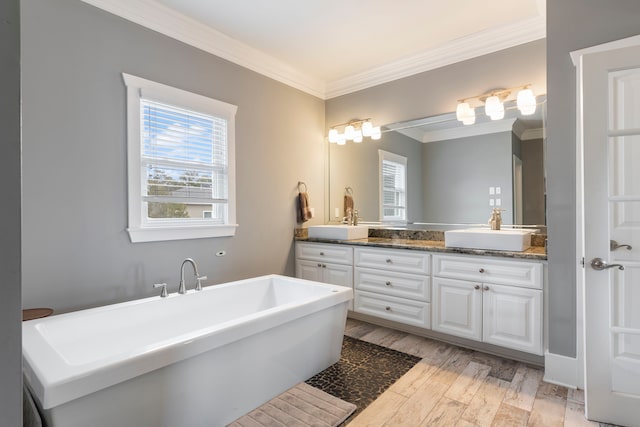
(494, 104)
(354, 130)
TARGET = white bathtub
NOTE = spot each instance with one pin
(200, 359)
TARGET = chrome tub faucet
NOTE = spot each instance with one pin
(183, 287)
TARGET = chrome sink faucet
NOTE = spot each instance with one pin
(183, 287)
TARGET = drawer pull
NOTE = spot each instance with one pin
(388, 283)
(476, 287)
(389, 261)
(481, 270)
(486, 288)
(387, 308)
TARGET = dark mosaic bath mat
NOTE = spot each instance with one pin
(363, 372)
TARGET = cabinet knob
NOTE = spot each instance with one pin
(324, 265)
(319, 265)
(486, 288)
(476, 287)
(389, 261)
(481, 270)
(322, 253)
(388, 283)
(387, 308)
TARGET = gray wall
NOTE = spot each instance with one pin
(76, 250)
(356, 166)
(457, 174)
(594, 22)
(10, 254)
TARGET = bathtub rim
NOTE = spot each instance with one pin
(61, 383)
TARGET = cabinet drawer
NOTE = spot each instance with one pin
(401, 285)
(486, 270)
(404, 261)
(338, 254)
(391, 308)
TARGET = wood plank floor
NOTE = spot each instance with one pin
(453, 386)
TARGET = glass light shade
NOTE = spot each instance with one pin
(492, 106)
(465, 113)
(462, 110)
(357, 136)
(376, 133)
(333, 135)
(349, 132)
(498, 115)
(367, 127)
(526, 102)
(341, 139)
(470, 117)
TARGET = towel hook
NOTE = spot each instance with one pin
(348, 190)
(302, 183)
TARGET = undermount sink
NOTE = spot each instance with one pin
(338, 232)
(483, 238)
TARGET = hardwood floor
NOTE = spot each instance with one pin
(453, 386)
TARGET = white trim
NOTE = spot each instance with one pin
(138, 235)
(160, 18)
(561, 370)
(576, 55)
(139, 230)
(504, 125)
(462, 49)
(167, 21)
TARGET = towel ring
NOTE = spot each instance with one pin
(302, 183)
(348, 190)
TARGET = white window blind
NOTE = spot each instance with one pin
(393, 192)
(184, 157)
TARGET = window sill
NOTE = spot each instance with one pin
(150, 234)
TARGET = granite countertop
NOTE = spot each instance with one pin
(436, 245)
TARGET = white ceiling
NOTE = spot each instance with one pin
(332, 47)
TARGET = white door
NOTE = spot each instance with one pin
(457, 308)
(512, 317)
(611, 132)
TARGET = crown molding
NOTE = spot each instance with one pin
(167, 21)
(478, 44)
(461, 131)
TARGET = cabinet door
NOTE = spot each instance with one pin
(336, 274)
(309, 270)
(513, 317)
(457, 308)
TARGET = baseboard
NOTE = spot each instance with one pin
(561, 370)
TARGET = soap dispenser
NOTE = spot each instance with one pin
(496, 219)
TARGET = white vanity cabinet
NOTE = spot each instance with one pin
(393, 285)
(497, 301)
(325, 263)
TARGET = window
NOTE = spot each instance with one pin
(393, 187)
(181, 168)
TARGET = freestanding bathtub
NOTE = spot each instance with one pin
(200, 359)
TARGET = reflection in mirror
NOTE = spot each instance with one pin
(454, 173)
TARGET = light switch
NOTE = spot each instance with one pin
(491, 202)
(492, 190)
(498, 190)
(498, 202)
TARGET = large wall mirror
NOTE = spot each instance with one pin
(455, 174)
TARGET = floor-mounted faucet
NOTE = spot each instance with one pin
(183, 287)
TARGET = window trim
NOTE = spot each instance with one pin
(138, 229)
(396, 158)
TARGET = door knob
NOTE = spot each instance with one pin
(600, 264)
(613, 245)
